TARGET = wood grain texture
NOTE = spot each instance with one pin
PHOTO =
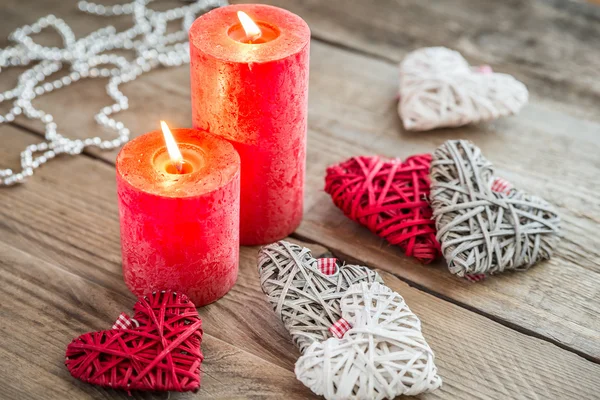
(548, 149)
(59, 246)
(552, 46)
(73, 284)
(352, 111)
(558, 299)
(53, 293)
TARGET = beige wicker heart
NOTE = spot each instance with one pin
(438, 88)
(482, 231)
(383, 355)
(306, 299)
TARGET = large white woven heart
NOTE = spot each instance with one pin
(439, 88)
(383, 355)
(482, 231)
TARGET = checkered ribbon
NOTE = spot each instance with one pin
(500, 185)
(484, 69)
(475, 277)
(340, 328)
(328, 266)
(125, 322)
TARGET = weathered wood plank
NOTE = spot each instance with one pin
(45, 306)
(90, 94)
(32, 224)
(53, 296)
(552, 46)
(536, 151)
(352, 111)
(65, 288)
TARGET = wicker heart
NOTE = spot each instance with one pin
(390, 198)
(163, 353)
(306, 299)
(483, 231)
(383, 355)
(438, 88)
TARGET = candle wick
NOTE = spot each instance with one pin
(253, 37)
(178, 164)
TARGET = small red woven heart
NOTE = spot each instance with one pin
(163, 353)
(390, 198)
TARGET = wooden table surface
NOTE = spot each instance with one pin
(531, 335)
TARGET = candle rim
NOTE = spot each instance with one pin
(209, 34)
(222, 165)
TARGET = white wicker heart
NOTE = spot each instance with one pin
(438, 88)
(382, 356)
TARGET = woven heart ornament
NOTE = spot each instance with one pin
(305, 292)
(382, 355)
(438, 88)
(484, 225)
(390, 197)
(159, 349)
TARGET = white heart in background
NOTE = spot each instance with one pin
(438, 88)
(383, 355)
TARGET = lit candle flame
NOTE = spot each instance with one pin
(252, 30)
(172, 148)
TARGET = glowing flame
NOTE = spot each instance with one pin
(252, 30)
(172, 148)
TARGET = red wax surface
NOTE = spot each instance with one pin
(256, 96)
(180, 231)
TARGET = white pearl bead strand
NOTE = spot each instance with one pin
(88, 58)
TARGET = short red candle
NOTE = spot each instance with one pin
(254, 93)
(179, 231)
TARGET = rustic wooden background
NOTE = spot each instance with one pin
(531, 335)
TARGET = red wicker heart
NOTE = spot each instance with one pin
(162, 353)
(390, 198)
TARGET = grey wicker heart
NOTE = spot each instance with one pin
(306, 300)
(482, 231)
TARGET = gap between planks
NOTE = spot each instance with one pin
(354, 50)
(347, 257)
(341, 254)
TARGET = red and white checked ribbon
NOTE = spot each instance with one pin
(475, 277)
(340, 328)
(125, 322)
(500, 185)
(485, 69)
(328, 266)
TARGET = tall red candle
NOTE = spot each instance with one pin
(179, 229)
(253, 91)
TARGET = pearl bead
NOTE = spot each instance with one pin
(90, 57)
